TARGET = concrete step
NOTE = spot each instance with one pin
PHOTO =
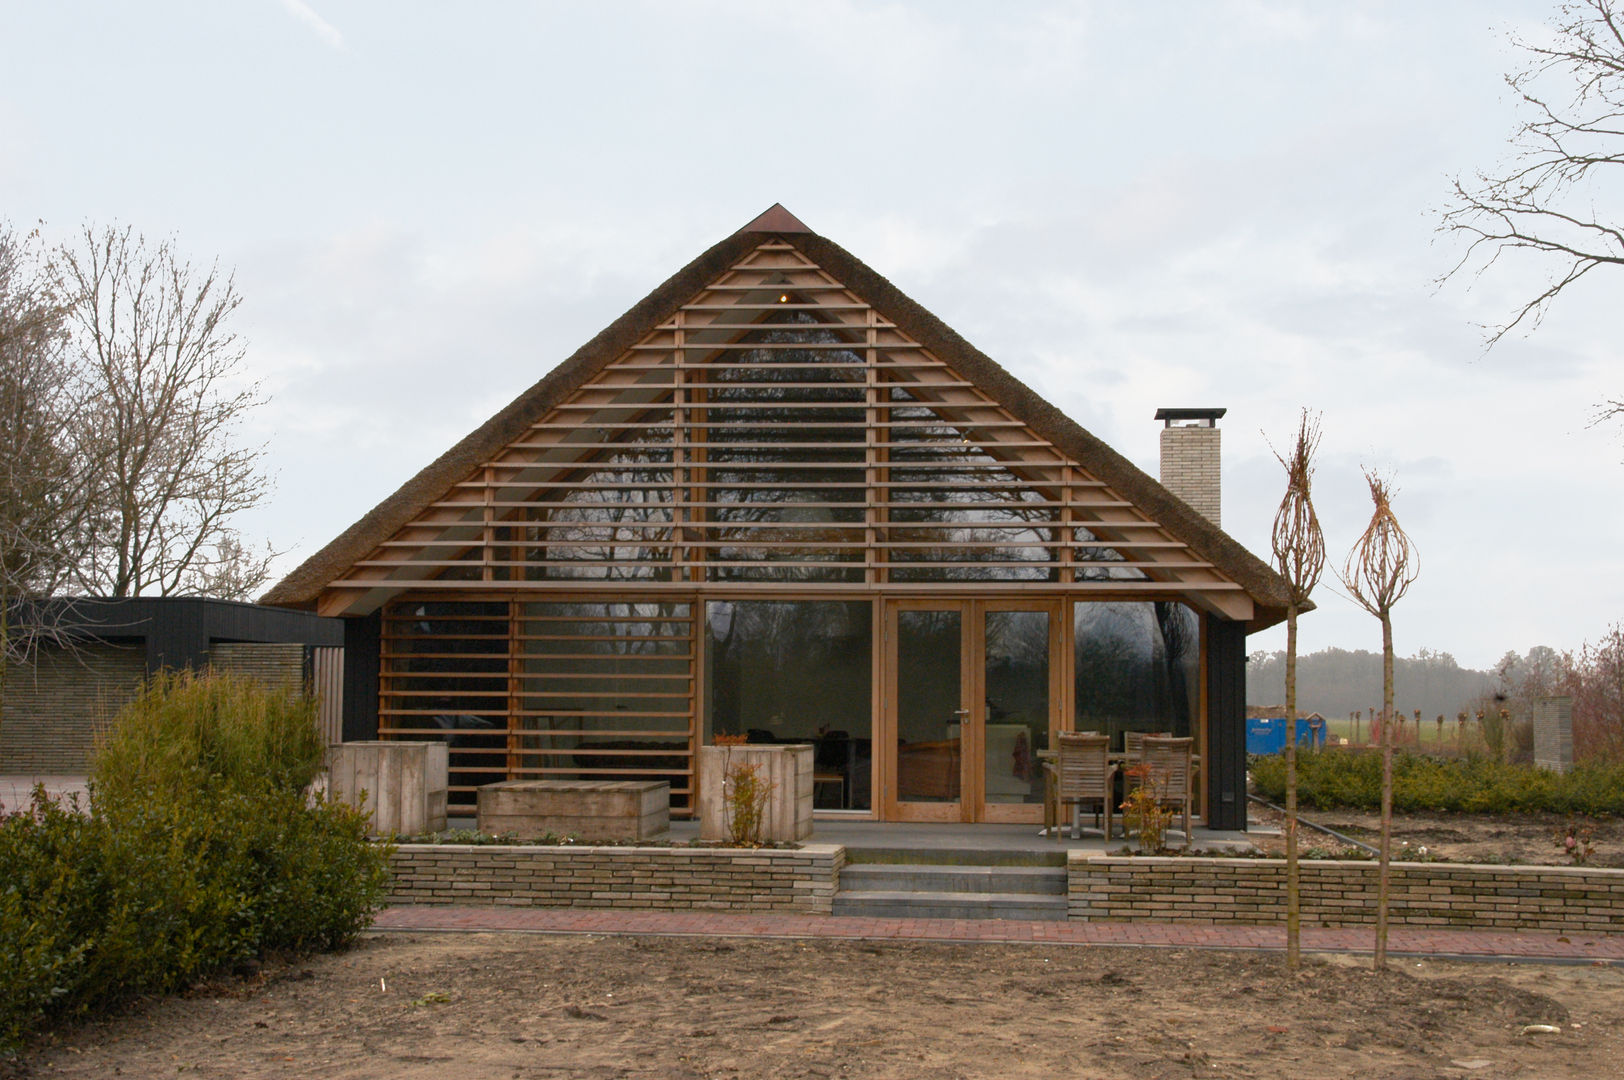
(951, 905)
(924, 856)
(931, 878)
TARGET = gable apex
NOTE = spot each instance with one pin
(668, 329)
(775, 219)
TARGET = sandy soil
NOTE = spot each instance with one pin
(1528, 838)
(511, 1006)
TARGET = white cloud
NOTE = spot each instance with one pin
(323, 29)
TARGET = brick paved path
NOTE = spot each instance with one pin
(1401, 941)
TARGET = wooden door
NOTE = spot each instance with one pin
(972, 695)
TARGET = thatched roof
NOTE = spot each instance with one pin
(1266, 588)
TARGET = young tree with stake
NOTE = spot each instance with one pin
(1379, 571)
(1299, 552)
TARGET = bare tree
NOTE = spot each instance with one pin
(163, 371)
(1572, 94)
(1299, 552)
(1379, 571)
(45, 508)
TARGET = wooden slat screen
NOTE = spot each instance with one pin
(779, 431)
(526, 689)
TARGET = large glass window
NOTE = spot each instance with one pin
(1137, 668)
(797, 671)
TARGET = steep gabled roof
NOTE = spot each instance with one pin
(1266, 589)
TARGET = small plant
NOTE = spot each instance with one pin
(722, 738)
(744, 801)
(1143, 809)
(1577, 841)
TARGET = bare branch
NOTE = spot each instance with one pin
(166, 373)
(1542, 203)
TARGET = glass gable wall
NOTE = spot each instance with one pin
(1136, 667)
(797, 671)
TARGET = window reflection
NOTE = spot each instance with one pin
(1137, 667)
(797, 671)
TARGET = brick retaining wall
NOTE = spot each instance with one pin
(1458, 896)
(670, 879)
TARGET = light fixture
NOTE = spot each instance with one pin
(784, 299)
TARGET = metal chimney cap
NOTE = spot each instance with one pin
(1203, 417)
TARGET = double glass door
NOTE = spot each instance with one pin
(972, 698)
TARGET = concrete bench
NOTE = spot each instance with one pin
(597, 811)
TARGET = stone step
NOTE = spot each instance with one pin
(933, 878)
(951, 905)
(955, 856)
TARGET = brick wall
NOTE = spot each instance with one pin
(1190, 465)
(1253, 892)
(668, 879)
(54, 706)
(276, 666)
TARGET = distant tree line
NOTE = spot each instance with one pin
(1339, 682)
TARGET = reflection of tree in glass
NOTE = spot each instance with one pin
(612, 531)
(1132, 665)
(767, 403)
(933, 471)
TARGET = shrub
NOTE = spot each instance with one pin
(50, 869)
(184, 730)
(201, 849)
(745, 797)
(1352, 779)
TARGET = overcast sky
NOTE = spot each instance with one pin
(1128, 206)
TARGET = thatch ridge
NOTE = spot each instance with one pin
(1268, 590)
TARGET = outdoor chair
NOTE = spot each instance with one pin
(1133, 756)
(1084, 774)
(1169, 773)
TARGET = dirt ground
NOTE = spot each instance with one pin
(1524, 838)
(405, 1007)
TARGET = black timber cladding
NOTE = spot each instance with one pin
(178, 630)
(1226, 724)
(362, 662)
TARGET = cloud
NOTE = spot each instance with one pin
(324, 29)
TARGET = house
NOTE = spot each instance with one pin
(778, 498)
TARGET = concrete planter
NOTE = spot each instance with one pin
(402, 784)
(787, 767)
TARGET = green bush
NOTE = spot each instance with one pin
(1339, 778)
(50, 872)
(184, 730)
(200, 849)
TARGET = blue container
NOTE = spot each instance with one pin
(1268, 735)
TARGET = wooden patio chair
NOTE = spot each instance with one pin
(1083, 773)
(1133, 755)
(1169, 772)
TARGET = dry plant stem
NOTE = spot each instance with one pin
(1379, 571)
(1384, 875)
(1293, 876)
(1299, 551)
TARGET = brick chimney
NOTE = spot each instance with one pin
(1190, 458)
